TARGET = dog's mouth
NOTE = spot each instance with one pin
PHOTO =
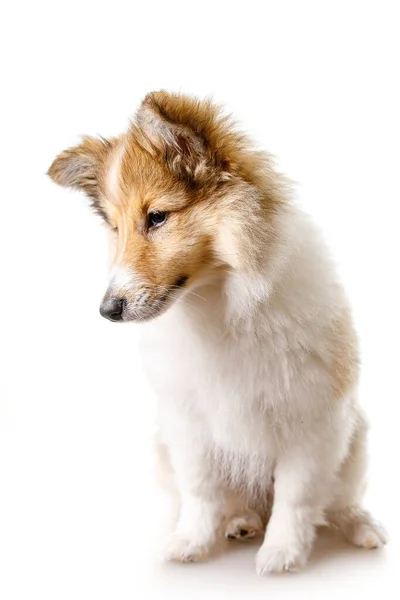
(147, 305)
(158, 305)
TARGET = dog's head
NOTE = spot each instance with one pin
(185, 197)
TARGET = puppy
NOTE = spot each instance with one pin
(252, 352)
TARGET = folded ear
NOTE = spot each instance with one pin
(81, 167)
(165, 120)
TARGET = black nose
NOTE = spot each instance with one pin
(112, 308)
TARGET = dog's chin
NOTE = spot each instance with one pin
(144, 316)
(149, 312)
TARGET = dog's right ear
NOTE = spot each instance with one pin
(81, 168)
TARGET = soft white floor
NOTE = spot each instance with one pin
(80, 520)
(81, 523)
(80, 515)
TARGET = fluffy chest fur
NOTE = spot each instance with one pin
(249, 374)
(248, 387)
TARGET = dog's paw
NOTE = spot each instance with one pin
(368, 535)
(181, 548)
(280, 559)
(244, 528)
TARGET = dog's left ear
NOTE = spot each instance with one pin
(165, 119)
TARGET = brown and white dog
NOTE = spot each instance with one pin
(253, 354)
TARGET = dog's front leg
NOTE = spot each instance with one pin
(202, 500)
(303, 478)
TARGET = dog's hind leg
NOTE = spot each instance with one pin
(346, 511)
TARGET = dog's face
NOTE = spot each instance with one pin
(163, 234)
(174, 203)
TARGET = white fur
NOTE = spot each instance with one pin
(121, 277)
(113, 173)
(243, 399)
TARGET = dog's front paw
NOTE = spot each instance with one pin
(184, 548)
(280, 558)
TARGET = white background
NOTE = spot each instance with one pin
(317, 84)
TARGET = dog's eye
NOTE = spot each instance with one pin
(156, 219)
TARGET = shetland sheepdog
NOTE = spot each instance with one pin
(251, 347)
